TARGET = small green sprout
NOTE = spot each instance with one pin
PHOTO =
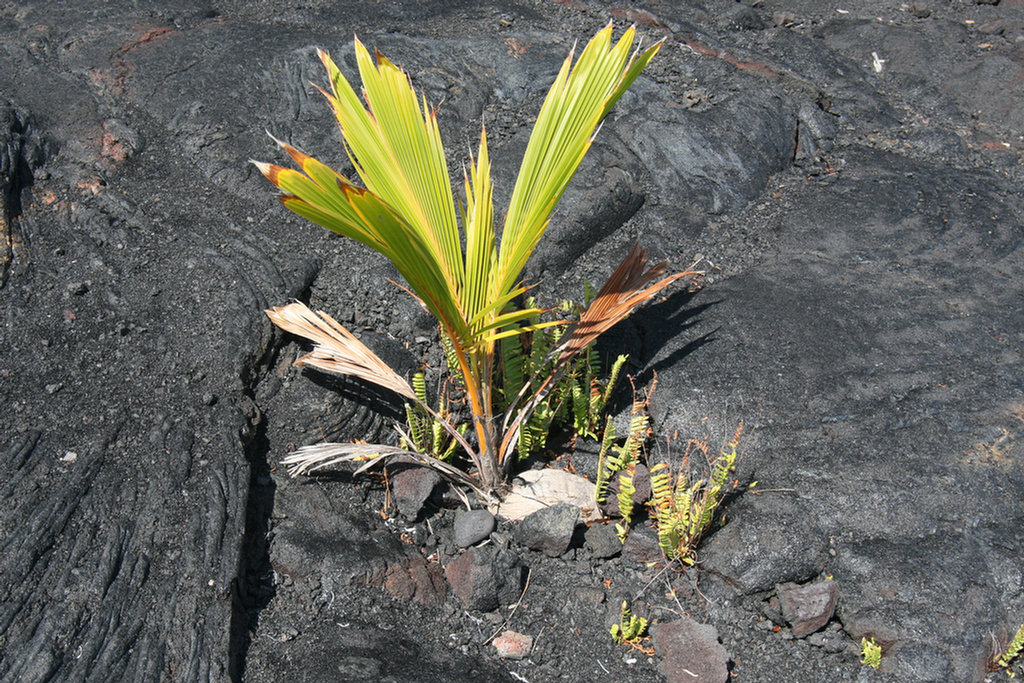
(870, 653)
(630, 629)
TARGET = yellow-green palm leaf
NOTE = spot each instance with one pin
(407, 211)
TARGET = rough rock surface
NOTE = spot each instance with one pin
(418, 580)
(549, 529)
(602, 541)
(411, 487)
(690, 651)
(512, 645)
(484, 578)
(850, 171)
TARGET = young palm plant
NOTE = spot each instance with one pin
(468, 278)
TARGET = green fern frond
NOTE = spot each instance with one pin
(871, 653)
(512, 370)
(638, 433)
(627, 491)
(724, 464)
(451, 359)
(437, 436)
(683, 507)
(613, 378)
(604, 472)
(581, 410)
(1014, 649)
(419, 386)
(415, 431)
(630, 629)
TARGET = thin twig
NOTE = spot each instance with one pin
(656, 577)
(511, 614)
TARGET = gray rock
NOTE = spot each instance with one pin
(602, 541)
(690, 652)
(484, 578)
(745, 18)
(873, 607)
(590, 595)
(920, 9)
(641, 545)
(641, 494)
(472, 526)
(832, 640)
(549, 529)
(785, 18)
(642, 484)
(809, 607)
(765, 542)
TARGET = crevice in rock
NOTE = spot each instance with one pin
(21, 152)
(254, 585)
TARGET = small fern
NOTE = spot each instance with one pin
(870, 653)
(451, 360)
(603, 470)
(630, 629)
(627, 490)
(623, 459)
(684, 508)
(1013, 650)
(425, 434)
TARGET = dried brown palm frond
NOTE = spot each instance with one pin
(337, 350)
(628, 287)
(309, 459)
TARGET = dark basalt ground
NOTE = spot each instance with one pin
(852, 170)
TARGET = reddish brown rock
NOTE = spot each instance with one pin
(690, 652)
(809, 607)
(512, 645)
(412, 486)
(484, 578)
(416, 580)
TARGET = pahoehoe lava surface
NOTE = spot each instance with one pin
(853, 172)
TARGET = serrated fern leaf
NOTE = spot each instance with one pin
(627, 490)
(581, 410)
(415, 428)
(512, 377)
(604, 471)
(613, 378)
(630, 628)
